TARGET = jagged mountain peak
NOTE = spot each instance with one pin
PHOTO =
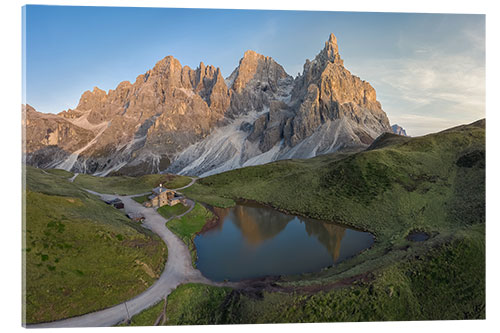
(168, 60)
(331, 43)
(250, 58)
(167, 66)
(255, 67)
(90, 99)
(97, 90)
(193, 121)
(330, 52)
(332, 39)
(27, 107)
(207, 70)
(251, 54)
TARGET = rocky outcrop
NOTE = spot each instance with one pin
(323, 110)
(396, 129)
(44, 130)
(326, 91)
(49, 138)
(147, 122)
(193, 121)
(256, 82)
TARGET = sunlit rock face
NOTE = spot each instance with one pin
(323, 110)
(193, 121)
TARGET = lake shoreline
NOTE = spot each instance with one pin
(264, 242)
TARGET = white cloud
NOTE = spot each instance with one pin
(417, 125)
(434, 86)
(429, 91)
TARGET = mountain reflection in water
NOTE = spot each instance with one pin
(258, 224)
(330, 235)
(252, 240)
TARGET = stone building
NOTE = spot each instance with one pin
(162, 196)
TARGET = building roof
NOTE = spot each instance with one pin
(114, 201)
(159, 189)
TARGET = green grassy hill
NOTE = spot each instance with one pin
(400, 183)
(434, 183)
(125, 185)
(81, 255)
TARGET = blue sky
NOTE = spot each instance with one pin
(428, 69)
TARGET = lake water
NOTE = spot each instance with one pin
(254, 241)
(418, 236)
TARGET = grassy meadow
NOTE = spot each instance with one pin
(143, 198)
(434, 183)
(444, 284)
(147, 317)
(125, 185)
(81, 255)
(171, 211)
(189, 225)
(61, 173)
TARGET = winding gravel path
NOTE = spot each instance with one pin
(193, 180)
(178, 270)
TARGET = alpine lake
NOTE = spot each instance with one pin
(252, 241)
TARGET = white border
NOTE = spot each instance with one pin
(10, 20)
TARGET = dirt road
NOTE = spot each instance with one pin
(178, 270)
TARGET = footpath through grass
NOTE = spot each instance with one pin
(80, 254)
(124, 185)
(189, 225)
(147, 317)
(207, 195)
(171, 211)
(190, 303)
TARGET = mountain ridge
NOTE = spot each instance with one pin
(169, 118)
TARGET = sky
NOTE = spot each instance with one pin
(428, 69)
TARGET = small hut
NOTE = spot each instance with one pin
(136, 217)
(117, 203)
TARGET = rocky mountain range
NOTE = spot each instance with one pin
(193, 121)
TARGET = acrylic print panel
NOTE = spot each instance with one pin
(198, 166)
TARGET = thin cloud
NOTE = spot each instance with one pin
(417, 125)
(434, 86)
(444, 86)
(453, 79)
